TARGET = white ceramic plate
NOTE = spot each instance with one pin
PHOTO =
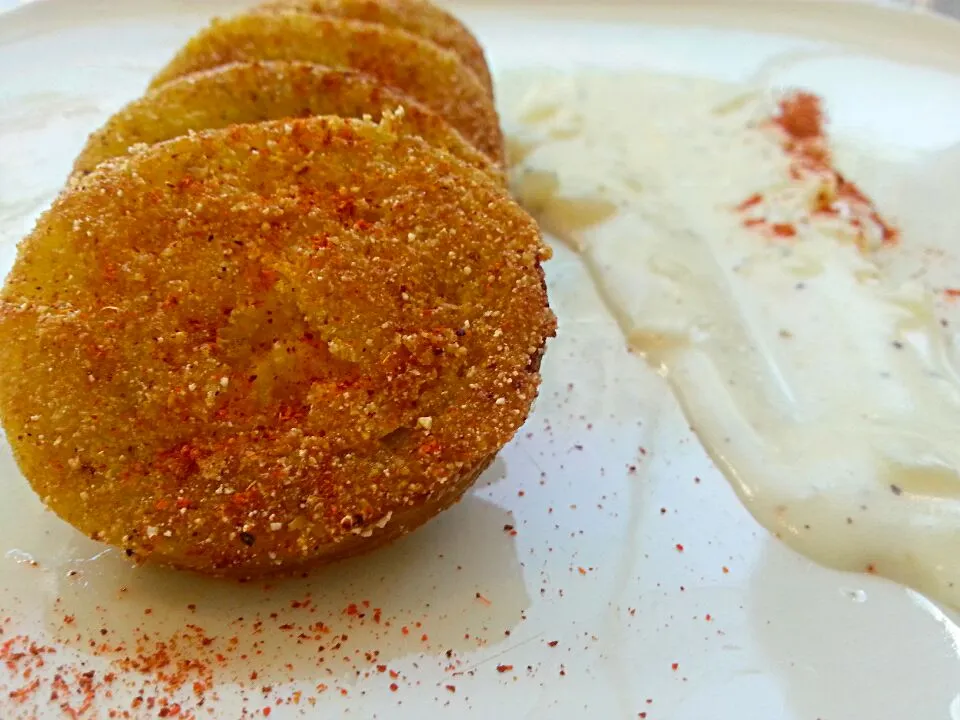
(589, 609)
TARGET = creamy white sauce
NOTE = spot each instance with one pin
(820, 381)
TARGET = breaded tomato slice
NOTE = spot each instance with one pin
(417, 67)
(270, 346)
(415, 16)
(255, 92)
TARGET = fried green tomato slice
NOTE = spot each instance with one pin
(270, 346)
(260, 91)
(417, 67)
(415, 16)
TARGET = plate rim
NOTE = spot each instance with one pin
(921, 36)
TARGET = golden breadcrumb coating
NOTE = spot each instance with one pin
(254, 92)
(417, 67)
(270, 345)
(415, 16)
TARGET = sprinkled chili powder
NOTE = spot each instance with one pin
(800, 121)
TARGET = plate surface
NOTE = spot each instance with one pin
(556, 588)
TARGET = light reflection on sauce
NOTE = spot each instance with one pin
(746, 270)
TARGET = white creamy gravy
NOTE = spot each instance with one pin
(823, 387)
